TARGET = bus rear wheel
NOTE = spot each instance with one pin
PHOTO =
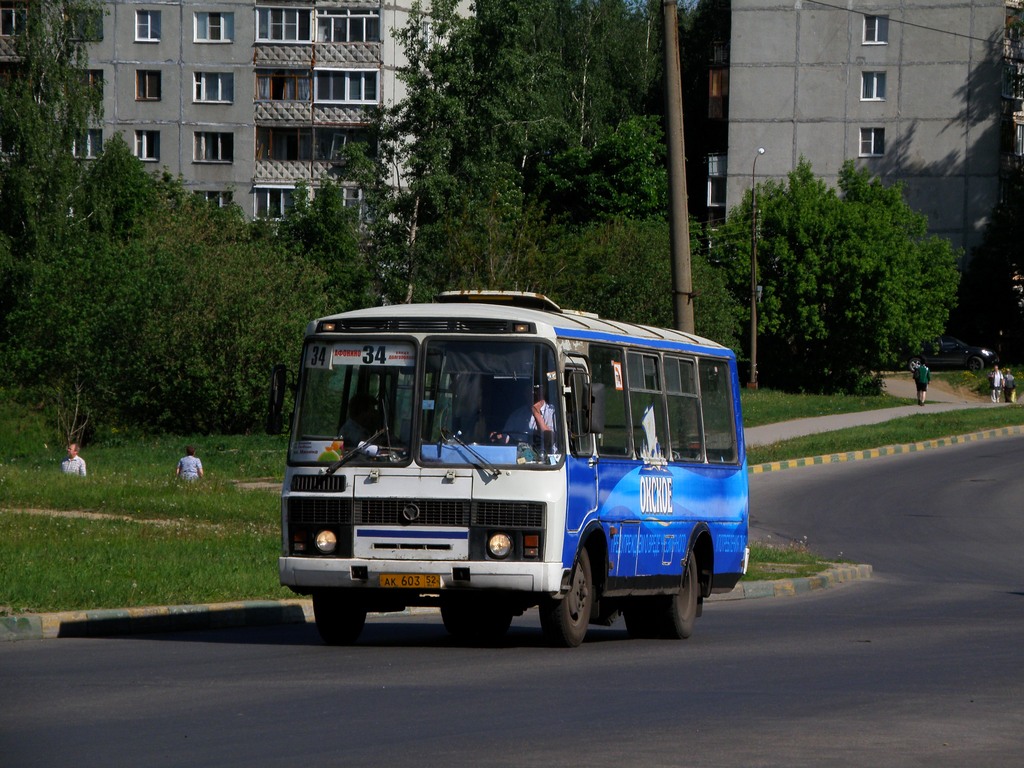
(565, 621)
(669, 616)
(339, 618)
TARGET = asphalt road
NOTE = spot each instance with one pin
(919, 666)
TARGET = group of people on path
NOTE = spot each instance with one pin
(1001, 385)
(189, 466)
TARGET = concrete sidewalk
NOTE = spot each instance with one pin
(939, 400)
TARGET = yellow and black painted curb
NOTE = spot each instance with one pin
(890, 450)
(837, 574)
(180, 618)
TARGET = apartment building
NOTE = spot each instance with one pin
(243, 100)
(921, 92)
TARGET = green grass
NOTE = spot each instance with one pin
(769, 406)
(912, 429)
(771, 561)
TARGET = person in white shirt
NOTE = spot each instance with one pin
(73, 464)
(530, 423)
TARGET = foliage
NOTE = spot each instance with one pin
(44, 110)
(991, 302)
(850, 280)
(170, 319)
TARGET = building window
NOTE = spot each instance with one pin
(1018, 139)
(87, 25)
(222, 199)
(272, 202)
(89, 145)
(13, 15)
(282, 85)
(872, 142)
(215, 87)
(93, 79)
(1013, 81)
(284, 144)
(348, 25)
(213, 147)
(147, 26)
(147, 85)
(718, 92)
(215, 27)
(872, 86)
(329, 143)
(288, 25)
(358, 86)
(147, 145)
(717, 171)
(876, 30)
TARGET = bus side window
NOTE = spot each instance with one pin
(683, 410)
(607, 370)
(716, 404)
(647, 407)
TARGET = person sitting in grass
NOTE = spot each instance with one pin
(189, 466)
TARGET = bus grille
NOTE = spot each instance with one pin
(318, 483)
(319, 511)
(509, 514)
(430, 512)
(440, 512)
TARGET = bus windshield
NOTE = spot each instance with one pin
(492, 402)
(355, 402)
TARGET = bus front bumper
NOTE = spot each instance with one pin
(304, 573)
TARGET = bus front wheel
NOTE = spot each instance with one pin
(339, 619)
(565, 621)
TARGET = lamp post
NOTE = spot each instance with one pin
(752, 384)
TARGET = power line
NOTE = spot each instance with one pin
(910, 23)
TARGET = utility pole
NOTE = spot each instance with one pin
(752, 384)
(679, 220)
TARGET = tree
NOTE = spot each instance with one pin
(44, 109)
(850, 279)
(991, 306)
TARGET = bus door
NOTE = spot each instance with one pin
(581, 458)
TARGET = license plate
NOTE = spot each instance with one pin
(411, 580)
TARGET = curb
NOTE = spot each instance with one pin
(890, 450)
(180, 618)
(130, 621)
(838, 574)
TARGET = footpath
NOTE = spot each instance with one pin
(127, 621)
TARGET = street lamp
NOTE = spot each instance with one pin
(752, 384)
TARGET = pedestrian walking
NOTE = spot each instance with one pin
(922, 375)
(995, 384)
(1009, 386)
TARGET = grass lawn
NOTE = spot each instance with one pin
(129, 534)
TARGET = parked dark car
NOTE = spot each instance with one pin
(949, 352)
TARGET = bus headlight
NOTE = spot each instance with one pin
(326, 542)
(499, 545)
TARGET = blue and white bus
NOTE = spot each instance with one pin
(490, 453)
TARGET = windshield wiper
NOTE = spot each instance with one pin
(481, 463)
(353, 451)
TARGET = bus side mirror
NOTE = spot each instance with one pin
(275, 404)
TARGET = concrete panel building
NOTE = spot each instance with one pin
(241, 99)
(914, 92)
